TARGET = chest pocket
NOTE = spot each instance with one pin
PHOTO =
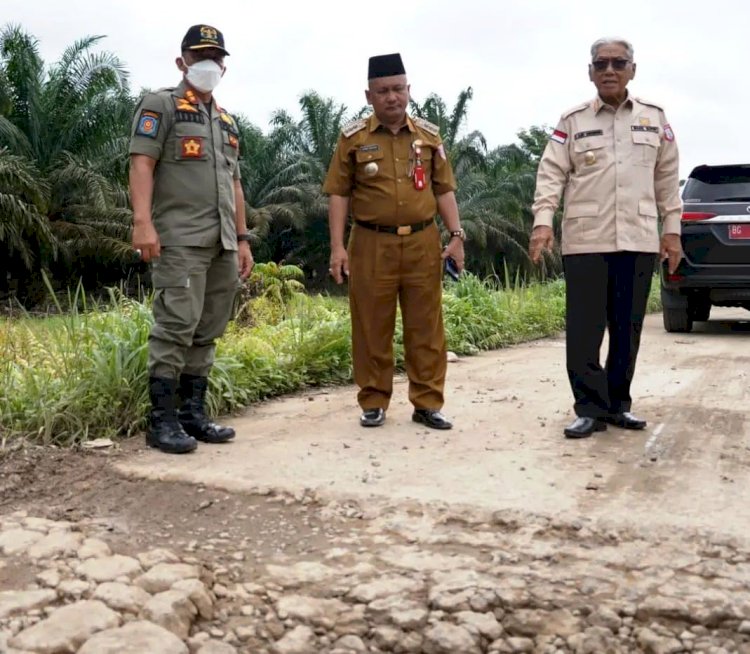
(589, 153)
(645, 148)
(191, 141)
(369, 164)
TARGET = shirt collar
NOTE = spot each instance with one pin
(375, 124)
(598, 104)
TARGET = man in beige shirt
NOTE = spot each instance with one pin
(614, 161)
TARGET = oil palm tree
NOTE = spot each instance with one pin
(68, 124)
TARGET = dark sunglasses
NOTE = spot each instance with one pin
(600, 65)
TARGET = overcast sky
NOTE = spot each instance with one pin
(525, 59)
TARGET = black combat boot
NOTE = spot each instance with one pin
(193, 412)
(166, 433)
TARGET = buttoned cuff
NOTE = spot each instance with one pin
(545, 217)
(672, 224)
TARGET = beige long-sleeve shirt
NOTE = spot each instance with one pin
(618, 171)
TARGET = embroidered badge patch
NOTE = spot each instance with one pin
(192, 147)
(559, 136)
(668, 133)
(183, 104)
(148, 124)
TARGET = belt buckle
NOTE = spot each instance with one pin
(403, 230)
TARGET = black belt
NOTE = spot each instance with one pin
(401, 230)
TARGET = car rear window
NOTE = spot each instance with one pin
(718, 184)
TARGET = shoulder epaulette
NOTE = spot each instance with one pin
(649, 103)
(575, 110)
(353, 127)
(427, 126)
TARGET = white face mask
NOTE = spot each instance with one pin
(205, 75)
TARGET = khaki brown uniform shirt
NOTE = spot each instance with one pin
(384, 193)
(197, 153)
(618, 170)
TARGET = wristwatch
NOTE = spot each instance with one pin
(458, 233)
(243, 237)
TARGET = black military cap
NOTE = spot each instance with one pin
(385, 66)
(199, 37)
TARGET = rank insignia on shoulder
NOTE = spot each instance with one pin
(234, 141)
(353, 127)
(192, 147)
(148, 124)
(427, 126)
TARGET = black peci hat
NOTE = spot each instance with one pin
(385, 66)
(199, 37)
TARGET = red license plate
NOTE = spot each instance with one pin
(739, 231)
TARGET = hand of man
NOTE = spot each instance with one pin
(455, 249)
(542, 238)
(245, 259)
(146, 240)
(339, 264)
(671, 248)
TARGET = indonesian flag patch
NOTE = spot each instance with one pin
(668, 133)
(559, 136)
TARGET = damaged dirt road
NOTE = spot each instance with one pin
(314, 535)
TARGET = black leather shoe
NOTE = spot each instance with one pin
(431, 418)
(626, 420)
(584, 427)
(166, 433)
(372, 417)
(193, 416)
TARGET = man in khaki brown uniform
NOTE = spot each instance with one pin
(615, 160)
(189, 222)
(391, 172)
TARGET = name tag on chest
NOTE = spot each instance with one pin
(591, 132)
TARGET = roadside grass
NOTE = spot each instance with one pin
(68, 378)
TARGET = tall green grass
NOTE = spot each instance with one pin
(69, 378)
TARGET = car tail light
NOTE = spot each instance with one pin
(697, 215)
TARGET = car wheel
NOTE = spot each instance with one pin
(699, 310)
(677, 320)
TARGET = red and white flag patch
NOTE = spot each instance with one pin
(559, 136)
(668, 133)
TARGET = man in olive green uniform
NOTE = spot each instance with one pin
(392, 174)
(189, 222)
(615, 159)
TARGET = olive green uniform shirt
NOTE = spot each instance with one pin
(197, 151)
(374, 167)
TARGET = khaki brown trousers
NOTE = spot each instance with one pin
(385, 269)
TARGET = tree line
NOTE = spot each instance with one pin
(64, 207)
